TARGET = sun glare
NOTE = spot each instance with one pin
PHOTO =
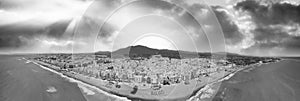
(155, 42)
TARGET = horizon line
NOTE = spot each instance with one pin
(33, 53)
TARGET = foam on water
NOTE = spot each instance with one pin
(34, 70)
(27, 61)
(200, 92)
(51, 89)
(227, 77)
(86, 90)
(207, 91)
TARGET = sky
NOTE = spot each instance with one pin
(250, 27)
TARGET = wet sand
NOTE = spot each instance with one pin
(21, 81)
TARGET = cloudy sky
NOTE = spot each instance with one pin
(251, 27)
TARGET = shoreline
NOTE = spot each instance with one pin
(227, 77)
(79, 82)
(262, 79)
(69, 75)
(109, 92)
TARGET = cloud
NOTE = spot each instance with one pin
(17, 36)
(43, 11)
(276, 26)
(10, 41)
(288, 46)
(273, 13)
(143, 8)
(205, 14)
(252, 27)
(31, 25)
(188, 14)
(231, 31)
(43, 25)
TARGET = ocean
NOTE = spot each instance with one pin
(21, 81)
(269, 82)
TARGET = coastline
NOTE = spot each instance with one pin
(92, 83)
(263, 78)
(207, 88)
(25, 81)
(79, 82)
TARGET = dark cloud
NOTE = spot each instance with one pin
(12, 36)
(292, 42)
(7, 4)
(230, 29)
(93, 27)
(151, 6)
(56, 30)
(288, 46)
(107, 30)
(271, 13)
(270, 34)
(10, 41)
(89, 28)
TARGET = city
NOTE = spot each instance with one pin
(153, 74)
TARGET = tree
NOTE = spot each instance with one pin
(135, 89)
(148, 80)
(166, 82)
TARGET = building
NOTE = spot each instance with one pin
(138, 78)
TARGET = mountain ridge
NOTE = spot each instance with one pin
(146, 52)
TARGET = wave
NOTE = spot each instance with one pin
(86, 90)
(51, 89)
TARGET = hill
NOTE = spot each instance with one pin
(146, 52)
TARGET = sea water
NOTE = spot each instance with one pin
(21, 80)
(269, 82)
